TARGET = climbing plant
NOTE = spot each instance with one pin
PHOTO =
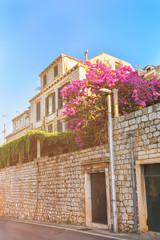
(24, 148)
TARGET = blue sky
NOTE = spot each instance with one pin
(34, 33)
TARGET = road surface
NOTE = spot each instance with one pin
(12, 229)
(15, 230)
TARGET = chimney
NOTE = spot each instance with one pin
(86, 55)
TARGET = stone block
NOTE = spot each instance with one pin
(144, 118)
(152, 116)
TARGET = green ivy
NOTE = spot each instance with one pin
(25, 146)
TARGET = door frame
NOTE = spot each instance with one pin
(88, 200)
(141, 192)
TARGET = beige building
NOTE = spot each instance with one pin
(47, 105)
(21, 125)
(150, 71)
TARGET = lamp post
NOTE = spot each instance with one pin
(113, 186)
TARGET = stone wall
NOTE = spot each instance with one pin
(146, 125)
(47, 189)
(53, 189)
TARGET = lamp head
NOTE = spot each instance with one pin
(105, 90)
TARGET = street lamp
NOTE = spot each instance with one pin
(113, 186)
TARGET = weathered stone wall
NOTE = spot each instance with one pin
(47, 189)
(18, 190)
(146, 141)
(53, 189)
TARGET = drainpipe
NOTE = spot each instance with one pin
(130, 134)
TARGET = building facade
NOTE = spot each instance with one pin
(46, 106)
(21, 124)
(150, 72)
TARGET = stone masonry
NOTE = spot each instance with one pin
(47, 189)
(53, 189)
(146, 125)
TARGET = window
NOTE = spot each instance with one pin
(50, 128)
(50, 104)
(60, 101)
(148, 69)
(59, 126)
(20, 123)
(25, 121)
(16, 124)
(14, 127)
(38, 111)
(56, 70)
(44, 80)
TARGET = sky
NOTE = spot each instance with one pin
(33, 33)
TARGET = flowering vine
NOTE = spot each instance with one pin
(86, 110)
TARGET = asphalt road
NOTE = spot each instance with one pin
(14, 230)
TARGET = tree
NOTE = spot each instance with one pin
(86, 110)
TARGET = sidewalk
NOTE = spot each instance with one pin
(91, 231)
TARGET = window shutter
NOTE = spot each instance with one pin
(53, 102)
(46, 106)
(60, 104)
(59, 126)
(44, 80)
(56, 70)
(38, 111)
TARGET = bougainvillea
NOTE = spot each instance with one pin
(86, 110)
